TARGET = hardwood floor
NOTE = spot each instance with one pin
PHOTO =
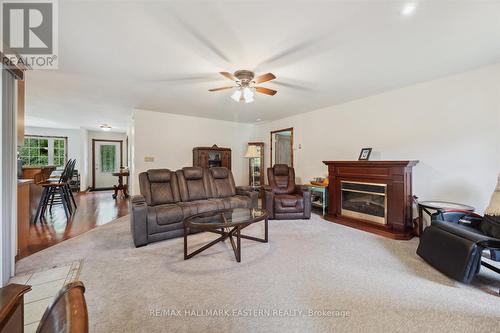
(94, 209)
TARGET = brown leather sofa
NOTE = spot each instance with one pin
(284, 200)
(168, 197)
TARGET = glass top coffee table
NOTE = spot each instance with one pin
(228, 223)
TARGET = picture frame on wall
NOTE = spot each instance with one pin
(364, 155)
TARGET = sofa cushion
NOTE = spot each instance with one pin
(204, 206)
(220, 173)
(222, 182)
(159, 186)
(168, 214)
(193, 184)
(192, 173)
(219, 202)
(280, 170)
(281, 179)
(161, 193)
(159, 175)
(189, 208)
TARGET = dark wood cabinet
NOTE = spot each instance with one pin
(374, 196)
(207, 157)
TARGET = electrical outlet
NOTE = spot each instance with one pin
(149, 159)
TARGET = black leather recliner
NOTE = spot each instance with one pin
(454, 242)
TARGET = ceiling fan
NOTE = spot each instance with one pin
(245, 83)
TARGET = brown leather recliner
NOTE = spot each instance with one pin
(168, 197)
(284, 200)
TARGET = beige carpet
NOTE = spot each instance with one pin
(368, 283)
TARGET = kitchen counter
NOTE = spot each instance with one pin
(28, 197)
(38, 173)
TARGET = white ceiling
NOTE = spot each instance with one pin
(116, 56)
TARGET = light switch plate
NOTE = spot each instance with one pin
(149, 159)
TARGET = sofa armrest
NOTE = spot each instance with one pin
(304, 191)
(249, 192)
(299, 189)
(137, 199)
(241, 189)
(138, 220)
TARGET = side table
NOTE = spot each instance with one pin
(121, 187)
(323, 191)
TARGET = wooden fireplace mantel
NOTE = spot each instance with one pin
(396, 175)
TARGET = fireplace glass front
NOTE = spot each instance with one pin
(366, 201)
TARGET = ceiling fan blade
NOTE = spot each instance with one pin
(222, 88)
(264, 78)
(228, 75)
(266, 91)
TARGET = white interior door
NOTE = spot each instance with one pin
(107, 157)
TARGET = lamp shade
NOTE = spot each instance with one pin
(252, 151)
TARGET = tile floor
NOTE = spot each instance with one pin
(45, 284)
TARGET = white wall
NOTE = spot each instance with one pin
(131, 152)
(452, 125)
(84, 155)
(170, 139)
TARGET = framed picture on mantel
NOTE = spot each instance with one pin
(365, 154)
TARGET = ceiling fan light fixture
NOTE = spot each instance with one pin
(236, 95)
(249, 100)
(245, 81)
(248, 95)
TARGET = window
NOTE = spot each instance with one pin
(108, 154)
(37, 151)
(59, 152)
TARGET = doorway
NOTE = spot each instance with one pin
(282, 147)
(107, 158)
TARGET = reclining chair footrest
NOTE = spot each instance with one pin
(454, 256)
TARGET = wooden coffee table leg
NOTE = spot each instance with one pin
(185, 243)
(266, 231)
(238, 246)
(203, 248)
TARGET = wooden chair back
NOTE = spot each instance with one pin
(67, 313)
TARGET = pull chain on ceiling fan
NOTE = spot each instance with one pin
(245, 84)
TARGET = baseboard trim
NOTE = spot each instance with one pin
(369, 227)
